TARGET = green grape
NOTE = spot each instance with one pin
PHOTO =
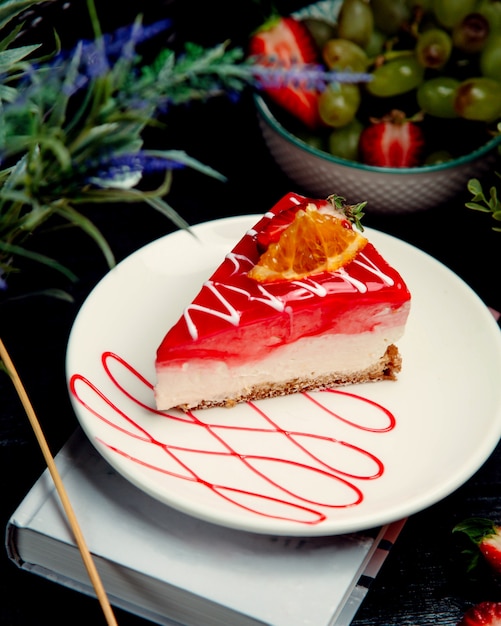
(478, 99)
(355, 22)
(433, 48)
(338, 104)
(436, 96)
(396, 77)
(343, 142)
(440, 156)
(342, 54)
(491, 10)
(375, 45)
(450, 12)
(490, 58)
(314, 140)
(423, 5)
(320, 30)
(390, 15)
(471, 33)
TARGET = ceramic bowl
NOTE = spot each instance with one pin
(386, 190)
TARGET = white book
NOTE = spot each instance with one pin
(171, 568)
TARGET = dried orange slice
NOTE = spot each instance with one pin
(315, 242)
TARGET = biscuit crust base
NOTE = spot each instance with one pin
(387, 368)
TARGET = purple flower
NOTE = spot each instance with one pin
(311, 77)
(126, 170)
(117, 42)
(94, 60)
(96, 57)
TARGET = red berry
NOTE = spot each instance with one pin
(486, 535)
(392, 141)
(286, 42)
(282, 220)
(482, 614)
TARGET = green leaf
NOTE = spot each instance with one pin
(168, 211)
(58, 114)
(37, 216)
(58, 149)
(9, 58)
(52, 292)
(181, 157)
(76, 218)
(7, 94)
(9, 9)
(39, 258)
(477, 207)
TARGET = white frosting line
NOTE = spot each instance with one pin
(370, 267)
(312, 287)
(268, 298)
(236, 258)
(232, 315)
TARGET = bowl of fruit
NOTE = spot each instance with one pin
(422, 120)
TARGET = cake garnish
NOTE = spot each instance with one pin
(308, 239)
(296, 327)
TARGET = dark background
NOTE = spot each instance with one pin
(424, 580)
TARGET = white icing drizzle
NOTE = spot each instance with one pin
(370, 267)
(312, 287)
(236, 259)
(232, 315)
(358, 284)
(268, 298)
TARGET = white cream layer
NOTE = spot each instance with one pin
(194, 381)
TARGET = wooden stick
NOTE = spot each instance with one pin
(56, 477)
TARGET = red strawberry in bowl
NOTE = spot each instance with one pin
(482, 614)
(392, 141)
(284, 42)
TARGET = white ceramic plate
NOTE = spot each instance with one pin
(318, 464)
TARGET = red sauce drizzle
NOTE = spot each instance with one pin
(294, 502)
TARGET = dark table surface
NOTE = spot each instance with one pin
(424, 580)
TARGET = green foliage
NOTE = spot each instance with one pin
(480, 202)
(353, 212)
(71, 135)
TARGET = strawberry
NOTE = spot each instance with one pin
(284, 42)
(275, 227)
(392, 141)
(482, 614)
(283, 219)
(486, 535)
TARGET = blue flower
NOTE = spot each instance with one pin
(124, 171)
(310, 77)
(118, 43)
(95, 58)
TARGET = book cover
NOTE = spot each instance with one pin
(172, 568)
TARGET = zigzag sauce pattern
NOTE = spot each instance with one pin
(309, 474)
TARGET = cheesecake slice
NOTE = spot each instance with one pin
(302, 302)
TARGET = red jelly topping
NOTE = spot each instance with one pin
(235, 318)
